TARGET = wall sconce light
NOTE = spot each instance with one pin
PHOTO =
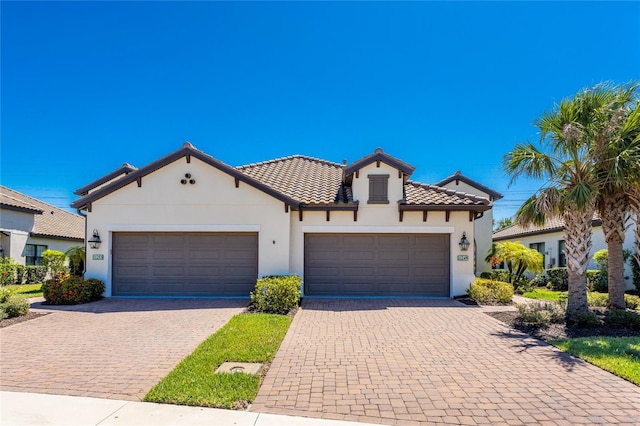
(94, 241)
(464, 243)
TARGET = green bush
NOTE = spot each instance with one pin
(490, 292)
(541, 313)
(559, 279)
(35, 274)
(497, 275)
(7, 271)
(277, 294)
(597, 281)
(21, 274)
(72, 290)
(584, 319)
(12, 305)
(622, 319)
(54, 260)
(539, 280)
(632, 302)
(597, 299)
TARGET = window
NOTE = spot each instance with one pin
(562, 258)
(378, 189)
(33, 254)
(539, 247)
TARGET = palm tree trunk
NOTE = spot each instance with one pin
(614, 217)
(578, 246)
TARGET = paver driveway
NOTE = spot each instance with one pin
(435, 361)
(113, 348)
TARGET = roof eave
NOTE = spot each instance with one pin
(440, 207)
(124, 169)
(378, 155)
(494, 194)
(21, 209)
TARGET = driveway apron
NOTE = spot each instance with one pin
(113, 348)
(404, 361)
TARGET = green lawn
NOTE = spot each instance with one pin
(545, 294)
(245, 338)
(28, 290)
(619, 355)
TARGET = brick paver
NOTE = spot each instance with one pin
(433, 361)
(113, 348)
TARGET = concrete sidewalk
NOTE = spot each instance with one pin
(17, 409)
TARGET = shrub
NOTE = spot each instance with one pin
(35, 274)
(7, 271)
(539, 280)
(497, 275)
(21, 274)
(597, 281)
(490, 292)
(12, 305)
(632, 302)
(597, 299)
(541, 313)
(72, 290)
(559, 279)
(584, 319)
(622, 319)
(277, 294)
(54, 260)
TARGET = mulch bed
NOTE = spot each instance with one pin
(16, 320)
(560, 331)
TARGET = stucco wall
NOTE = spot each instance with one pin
(15, 220)
(212, 204)
(552, 239)
(483, 226)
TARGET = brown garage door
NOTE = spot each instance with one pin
(184, 264)
(376, 265)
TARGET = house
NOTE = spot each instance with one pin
(188, 224)
(484, 225)
(29, 226)
(549, 240)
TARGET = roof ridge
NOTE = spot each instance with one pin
(291, 157)
(37, 201)
(448, 191)
(466, 179)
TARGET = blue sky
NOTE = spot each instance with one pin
(444, 86)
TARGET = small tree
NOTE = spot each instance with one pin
(518, 259)
(76, 260)
(503, 223)
(54, 260)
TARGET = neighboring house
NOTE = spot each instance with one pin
(483, 225)
(549, 240)
(190, 225)
(29, 226)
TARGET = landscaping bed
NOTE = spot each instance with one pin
(16, 320)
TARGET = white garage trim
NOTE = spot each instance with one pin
(372, 229)
(182, 228)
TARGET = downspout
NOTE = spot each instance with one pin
(85, 240)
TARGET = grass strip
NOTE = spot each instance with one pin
(28, 290)
(618, 355)
(245, 338)
(545, 294)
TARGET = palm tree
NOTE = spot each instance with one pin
(565, 161)
(76, 259)
(503, 223)
(616, 148)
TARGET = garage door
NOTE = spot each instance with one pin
(184, 264)
(376, 265)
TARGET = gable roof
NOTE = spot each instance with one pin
(125, 169)
(187, 151)
(49, 221)
(308, 180)
(458, 176)
(555, 224)
(9, 202)
(304, 182)
(379, 155)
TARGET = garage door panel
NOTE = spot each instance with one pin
(184, 264)
(377, 264)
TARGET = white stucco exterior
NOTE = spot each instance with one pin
(215, 204)
(552, 240)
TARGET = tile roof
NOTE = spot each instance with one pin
(52, 222)
(459, 176)
(8, 201)
(554, 224)
(306, 179)
(123, 170)
(417, 193)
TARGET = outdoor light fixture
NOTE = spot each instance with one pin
(464, 243)
(94, 242)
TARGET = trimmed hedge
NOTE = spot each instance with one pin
(489, 292)
(558, 279)
(276, 294)
(12, 305)
(72, 290)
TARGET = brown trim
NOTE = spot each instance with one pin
(377, 163)
(139, 180)
(21, 209)
(300, 215)
(328, 215)
(355, 215)
(436, 207)
(357, 174)
(471, 216)
(333, 207)
(424, 215)
(286, 208)
(447, 214)
(457, 176)
(378, 156)
(400, 174)
(125, 169)
(54, 237)
(188, 157)
(187, 149)
(89, 207)
(594, 222)
(401, 215)
(237, 182)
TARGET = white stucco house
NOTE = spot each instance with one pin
(29, 226)
(189, 225)
(549, 240)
